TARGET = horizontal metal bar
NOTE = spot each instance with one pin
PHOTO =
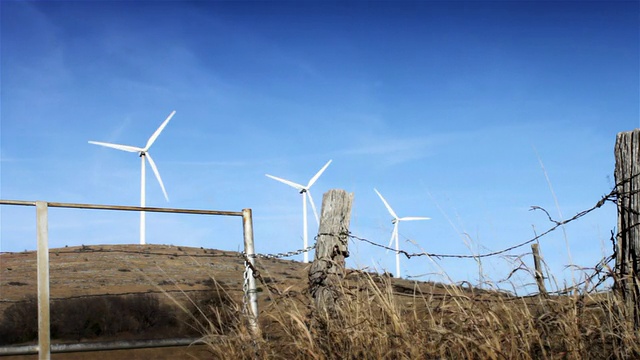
(100, 346)
(123, 208)
(17, 202)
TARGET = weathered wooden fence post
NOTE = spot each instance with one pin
(627, 269)
(327, 270)
(538, 266)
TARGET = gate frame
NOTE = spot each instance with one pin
(42, 224)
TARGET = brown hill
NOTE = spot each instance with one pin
(130, 269)
(378, 317)
(167, 271)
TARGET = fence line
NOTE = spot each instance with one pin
(251, 270)
(88, 249)
(44, 326)
(123, 208)
(598, 269)
(612, 196)
(609, 197)
(101, 346)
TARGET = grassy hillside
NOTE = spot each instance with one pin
(150, 291)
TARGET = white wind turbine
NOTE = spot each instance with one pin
(394, 235)
(304, 190)
(144, 154)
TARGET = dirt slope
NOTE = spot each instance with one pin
(96, 270)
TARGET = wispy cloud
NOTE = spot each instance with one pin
(395, 150)
(5, 158)
(209, 163)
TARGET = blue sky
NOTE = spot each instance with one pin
(447, 108)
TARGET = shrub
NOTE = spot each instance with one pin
(90, 317)
(212, 311)
(148, 313)
(79, 318)
(19, 322)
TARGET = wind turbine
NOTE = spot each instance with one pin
(144, 154)
(304, 190)
(394, 234)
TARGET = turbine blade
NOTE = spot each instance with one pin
(317, 175)
(313, 207)
(387, 205)
(155, 135)
(290, 183)
(155, 171)
(409, 218)
(393, 235)
(118, 146)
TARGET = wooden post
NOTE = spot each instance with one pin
(44, 329)
(327, 270)
(537, 264)
(627, 170)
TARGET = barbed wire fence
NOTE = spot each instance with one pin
(598, 274)
(595, 276)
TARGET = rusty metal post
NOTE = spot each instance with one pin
(44, 336)
(247, 226)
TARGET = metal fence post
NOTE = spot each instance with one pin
(247, 225)
(44, 336)
(44, 346)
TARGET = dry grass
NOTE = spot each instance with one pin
(373, 322)
(378, 318)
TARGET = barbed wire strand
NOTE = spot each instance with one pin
(609, 197)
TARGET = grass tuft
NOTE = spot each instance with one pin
(374, 321)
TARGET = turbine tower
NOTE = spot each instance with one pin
(144, 154)
(304, 190)
(394, 235)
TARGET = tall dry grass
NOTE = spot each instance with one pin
(373, 322)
